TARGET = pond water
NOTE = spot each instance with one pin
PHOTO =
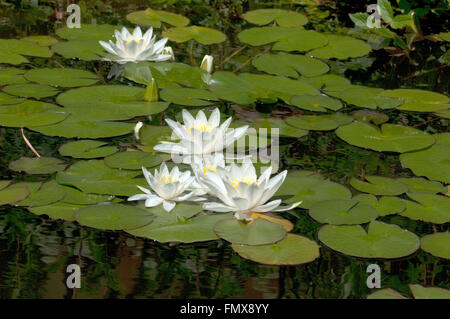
(336, 94)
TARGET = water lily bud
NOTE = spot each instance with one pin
(207, 64)
(169, 51)
(151, 93)
(137, 128)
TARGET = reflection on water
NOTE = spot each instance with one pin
(35, 252)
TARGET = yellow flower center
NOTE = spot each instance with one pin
(249, 181)
(209, 168)
(167, 179)
(135, 40)
(202, 128)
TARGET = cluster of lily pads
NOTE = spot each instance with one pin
(293, 70)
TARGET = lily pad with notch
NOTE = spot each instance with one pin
(385, 205)
(37, 165)
(36, 91)
(57, 210)
(87, 149)
(61, 77)
(343, 212)
(316, 103)
(379, 185)
(188, 96)
(202, 35)
(437, 244)
(428, 208)
(155, 18)
(132, 160)
(283, 18)
(31, 113)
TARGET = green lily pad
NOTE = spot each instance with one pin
(327, 81)
(287, 39)
(420, 292)
(197, 229)
(391, 137)
(113, 216)
(379, 185)
(12, 76)
(41, 40)
(150, 135)
(87, 149)
(31, 113)
(37, 91)
(310, 190)
(342, 212)
(422, 185)
(78, 126)
(364, 96)
(380, 241)
(187, 96)
(437, 244)
(428, 208)
(316, 103)
(77, 197)
(49, 193)
(3, 184)
(376, 118)
(312, 122)
(291, 65)
(200, 34)
(132, 160)
(31, 186)
(61, 77)
(281, 125)
(342, 48)
(445, 113)
(37, 165)
(86, 50)
(386, 293)
(419, 100)
(292, 250)
(6, 99)
(386, 205)
(57, 210)
(12, 195)
(155, 17)
(13, 51)
(109, 102)
(283, 18)
(259, 232)
(94, 32)
(95, 177)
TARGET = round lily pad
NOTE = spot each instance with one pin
(37, 91)
(95, 32)
(274, 123)
(379, 185)
(363, 96)
(86, 50)
(61, 77)
(316, 103)
(132, 160)
(37, 165)
(292, 250)
(12, 76)
(49, 193)
(13, 51)
(376, 118)
(428, 207)
(187, 96)
(3, 184)
(75, 196)
(422, 185)
(386, 205)
(292, 65)
(386, 293)
(380, 241)
(200, 34)
(155, 17)
(391, 137)
(6, 99)
(87, 149)
(437, 244)
(42, 40)
(109, 102)
(283, 18)
(31, 113)
(57, 210)
(12, 195)
(420, 292)
(312, 122)
(31, 186)
(259, 232)
(113, 216)
(419, 100)
(150, 135)
(341, 47)
(342, 212)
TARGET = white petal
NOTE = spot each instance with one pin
(284, 208)
(169, 205)
(153, 201)
(214, 119)
(138, 197)
(267, 207)
(217, 207)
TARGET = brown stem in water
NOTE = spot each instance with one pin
(28, 143)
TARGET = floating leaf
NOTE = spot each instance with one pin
(342, 212)
(292, 250)
(31, 113)
(186, 96)
(57, 210)
(428, 207)
(419, 100)
(420, 292)
(381, 241)
(12, 195)
(87, 149)
(391, 137)
(113, 216)
(364, 96)
(379, 185)
(37, 91)
(6, 99)
(316, 103)
(386, 293)
(12, 76)
(150, 135)
(37, 165)
(200, 34)
(376, 118)
(87, 50)
(13, 51)
(341, 47)
(259, 232)
(109, 102)
(422, 185)
(291, 65)
(94, 32)
(327, 81)
(31, 186)
(49, 193)
(74, 196)
(282, 126)
(3, 184)
(132, 160)
(386, 205)
(437, 244)
(312, 122)
(61, 77)
(155, 17)
(283, 18)
(42, 40)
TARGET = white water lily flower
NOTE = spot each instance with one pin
(203, 164)
(242, 192)
(169, 51)
(200, 136)
(169, 187)
(137, 128)
(136, 47)
(207, 63)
